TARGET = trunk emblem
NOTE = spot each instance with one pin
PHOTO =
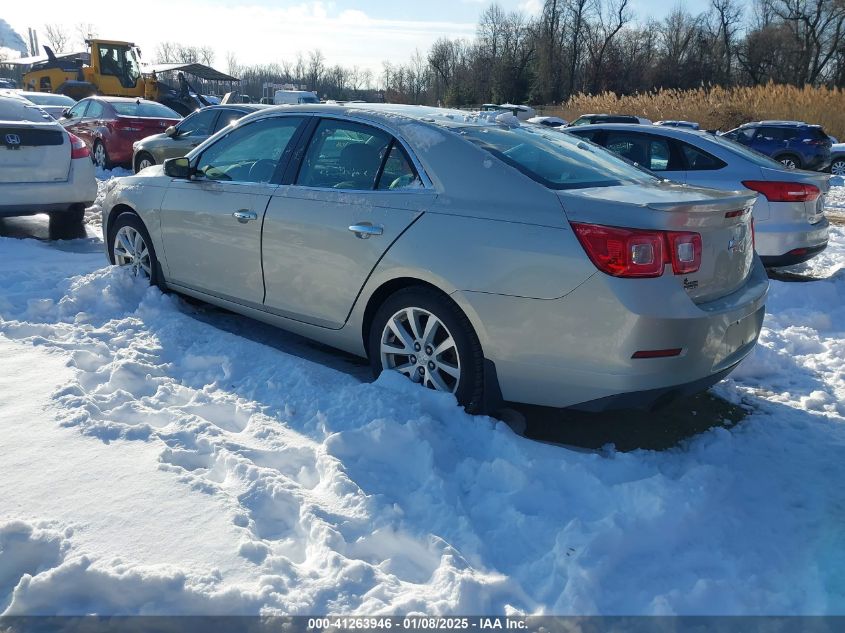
(13, 139)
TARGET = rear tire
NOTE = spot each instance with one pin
(790, 161)
(438, 347)
(130, 245)
(837, 167)
(143, 160)
(70, 219)
(100, 156)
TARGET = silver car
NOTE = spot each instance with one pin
(492, 261)
(789, 212)
(179, 139)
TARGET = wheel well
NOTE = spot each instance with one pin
(116, 211)
(379, 297)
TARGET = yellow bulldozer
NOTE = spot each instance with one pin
(114, 68)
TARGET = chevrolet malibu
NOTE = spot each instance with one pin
(477, 256)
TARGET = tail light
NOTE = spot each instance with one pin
(127, 125)
(777, 191)
(622, 252)
(78, 148)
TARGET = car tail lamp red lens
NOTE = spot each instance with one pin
(623, 252)
(78, 148)
(778, 191)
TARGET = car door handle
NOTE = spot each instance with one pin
(243, 216)
(364, 230)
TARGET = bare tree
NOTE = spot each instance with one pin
(601, 33)
(57, 37)
(85, 31)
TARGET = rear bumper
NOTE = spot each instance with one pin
(46, 197)
(818, 162)
(775, 240)
(796, 256)
(577, 351)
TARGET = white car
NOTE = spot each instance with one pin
(548, 121)
(43, 168)
(789, 213)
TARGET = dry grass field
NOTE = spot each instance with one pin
(720, 108)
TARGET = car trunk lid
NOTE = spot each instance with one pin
(721, 218)
(33, 152)
(813, 210)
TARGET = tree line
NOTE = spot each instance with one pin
(573, 47)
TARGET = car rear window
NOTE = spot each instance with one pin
(746, 152)
(13, 109)
(50, 100)
(129, 108)
(818, 133)
(555, 160)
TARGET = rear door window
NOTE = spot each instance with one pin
(398, 172)
(343, 155)
(651, 152)
(698, 160)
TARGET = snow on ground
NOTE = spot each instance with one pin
(158, 461)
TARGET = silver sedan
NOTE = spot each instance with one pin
(789, 213)
(476, 256)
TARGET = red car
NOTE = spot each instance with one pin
(109, 125)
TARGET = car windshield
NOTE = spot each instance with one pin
(555, 160)
(49, 100)
(309, 99)
(745, 152)
(145, 108)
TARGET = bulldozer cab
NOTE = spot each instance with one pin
(116, 67)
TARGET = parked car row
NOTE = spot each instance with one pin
(607, 266)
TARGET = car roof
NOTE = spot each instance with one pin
(780, 124)
(388, 113)
(659, 130)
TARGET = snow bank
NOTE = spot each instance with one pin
(317, 492)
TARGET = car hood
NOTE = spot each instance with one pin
(155, 139)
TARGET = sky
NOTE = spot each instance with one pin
(348, 32)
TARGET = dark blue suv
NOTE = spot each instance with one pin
(793, 143)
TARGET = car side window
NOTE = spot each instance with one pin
(771, 134)
(250, 153)
(95, 110)
(398, 172)
(343, 155)
(651, 152)
(78, 111)
(197, 124)
(589, 135)
(226, 118)
(699, 160)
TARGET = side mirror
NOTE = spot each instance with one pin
(171, 131)
(178, 168)
(66, 114)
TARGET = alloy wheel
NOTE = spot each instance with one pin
(837, 168)
(130, 249)
(417, 344)
(100, 155)
(789, 163)
(144, 163)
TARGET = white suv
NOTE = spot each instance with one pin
(43, 169)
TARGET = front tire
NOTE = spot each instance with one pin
(143, 160)
(425, 336)
(130, 245)
(100, 156)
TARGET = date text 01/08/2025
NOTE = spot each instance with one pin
(416, 623)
